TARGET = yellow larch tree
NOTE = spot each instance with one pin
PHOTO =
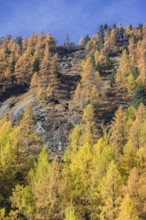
(118, 134)
(123, 70)
(110, 193)
(127, 210)
(89, 131)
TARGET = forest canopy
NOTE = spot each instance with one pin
(98, 169)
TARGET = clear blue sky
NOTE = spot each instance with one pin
(59, 17)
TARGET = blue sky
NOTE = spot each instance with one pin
(60, 17)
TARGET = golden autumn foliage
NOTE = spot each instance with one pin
(101, 175)
(123, 70)
(88, 89)
(101, 179)
(118, 132)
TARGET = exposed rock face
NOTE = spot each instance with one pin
(69, 67)
(54, 121)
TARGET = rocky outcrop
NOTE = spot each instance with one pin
(54, 120)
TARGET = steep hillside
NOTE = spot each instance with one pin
(54, 120)
(59, 81)
(86, 105)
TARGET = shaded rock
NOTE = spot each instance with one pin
(4, 108)
(17, 111)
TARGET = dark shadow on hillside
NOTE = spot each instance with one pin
(14, 90)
